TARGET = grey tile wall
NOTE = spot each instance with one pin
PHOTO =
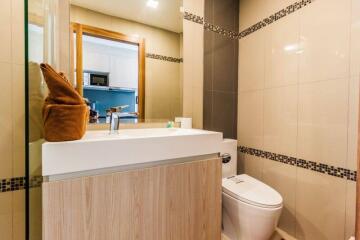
(221, 68)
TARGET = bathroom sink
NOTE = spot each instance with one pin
(100, 149)
(141, 133)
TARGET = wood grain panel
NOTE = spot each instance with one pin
(79, 60)
(172, 202)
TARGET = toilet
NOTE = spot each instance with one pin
(250, 208)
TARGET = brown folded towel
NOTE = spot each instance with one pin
(61, 90)
(36, 102)
(65, 113)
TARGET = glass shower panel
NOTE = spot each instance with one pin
(47, 27)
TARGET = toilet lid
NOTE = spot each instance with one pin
(252, 191)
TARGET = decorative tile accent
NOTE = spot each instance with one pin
(35, 181)
(257, 26)
(310, 165)
(275, 17)
(164, 58)
(12, 184)
(19, 183)
(193, 18)
(221, 31)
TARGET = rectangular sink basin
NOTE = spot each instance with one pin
(100, 149)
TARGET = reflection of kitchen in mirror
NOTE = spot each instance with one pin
(127, 58)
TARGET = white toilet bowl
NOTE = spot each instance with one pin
(251, 209)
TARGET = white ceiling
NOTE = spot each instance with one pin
(166, 15)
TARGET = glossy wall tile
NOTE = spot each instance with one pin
(298, 109)
(280, 120)
(321, 217)
(282, 178)
(325, 40)
(322, 122)
(12, 120)
(252, 61)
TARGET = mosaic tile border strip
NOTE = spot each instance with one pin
(36, 181)
(19, 183)
(211, 27)
(12, 184)
(275, 17)
(310, 165)
(164, 58)
(193, 18)
(219, 30)
(257, 26)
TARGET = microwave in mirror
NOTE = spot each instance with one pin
(96, 79)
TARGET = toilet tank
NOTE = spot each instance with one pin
(229, 146)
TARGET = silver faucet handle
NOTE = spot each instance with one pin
(119, 108)
(114, 121)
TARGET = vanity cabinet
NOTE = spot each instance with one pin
(179, 201)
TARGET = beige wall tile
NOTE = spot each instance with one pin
(273, 6)
(320, 206)
(6, 227)
(197, 112)
(350, 209)
(322, 133)
(17, 32)
(250, 119)
(319, 96)
(5, 28)
(18, 118)
(282, 178)
(251, 11)
(6, 122)
(187, 101)
(193, 53)
(89, 17)
(193, 72)
(252, 61)
(176, 107)
(194, 7)
(250, 165)
(325, 40)
(353, 123)
(282, 52)
(156, 40)
(19, 215)
(355, 39)
(280, 120)
(162, 80)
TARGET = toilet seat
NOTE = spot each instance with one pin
(251, 191)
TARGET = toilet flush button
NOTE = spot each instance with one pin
(236, 180)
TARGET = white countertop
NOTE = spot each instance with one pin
(99, 149)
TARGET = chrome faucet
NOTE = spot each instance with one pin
(115, 118)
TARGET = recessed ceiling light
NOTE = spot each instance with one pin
(152, 3)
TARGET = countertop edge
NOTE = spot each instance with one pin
(123, 168)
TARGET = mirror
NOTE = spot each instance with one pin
(116, 53)
(127, 57)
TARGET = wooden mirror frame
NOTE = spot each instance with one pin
(80, 30)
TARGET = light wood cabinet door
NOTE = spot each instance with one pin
(171, 202)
